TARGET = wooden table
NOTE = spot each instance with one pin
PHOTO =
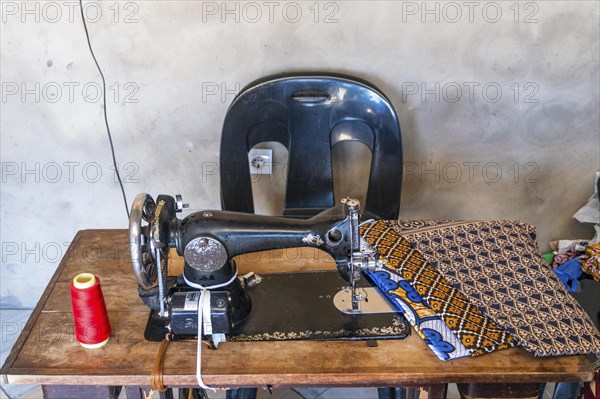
(47, 352)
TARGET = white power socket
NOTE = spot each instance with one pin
(261, 161)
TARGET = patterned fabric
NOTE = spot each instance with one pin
(428, 325)
(497, 265)
(476, 332)
(592, 265)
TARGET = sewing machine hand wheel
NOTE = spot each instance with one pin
(142, 253)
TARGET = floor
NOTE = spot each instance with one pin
(306, 393)
(286, 393)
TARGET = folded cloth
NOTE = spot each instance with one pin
(498, 267)
(423, 293)
(563, 258)
(425, 321)
(592, 264)
(569, 272)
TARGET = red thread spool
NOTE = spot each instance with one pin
(92, 327)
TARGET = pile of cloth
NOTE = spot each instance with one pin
(475, 287)
(573, 260)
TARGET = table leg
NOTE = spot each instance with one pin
(480, 391)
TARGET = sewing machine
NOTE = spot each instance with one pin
(210, 292)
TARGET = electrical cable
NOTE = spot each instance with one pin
(112, 148)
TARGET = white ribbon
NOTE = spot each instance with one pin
(204, 323)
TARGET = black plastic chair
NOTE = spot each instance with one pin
(309, 114)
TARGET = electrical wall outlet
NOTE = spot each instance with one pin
(261, 161)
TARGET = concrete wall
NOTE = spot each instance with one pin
(174, 66)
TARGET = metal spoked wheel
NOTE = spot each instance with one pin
(140, 227)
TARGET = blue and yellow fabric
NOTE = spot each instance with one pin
(428, 325)
(459, 328)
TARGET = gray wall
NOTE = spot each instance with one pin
(529, 153)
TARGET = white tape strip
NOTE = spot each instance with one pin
(204, 322)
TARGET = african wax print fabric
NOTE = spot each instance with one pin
(498, 267)
(428, 325)
(476, 333)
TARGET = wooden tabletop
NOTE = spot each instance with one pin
(47, 352)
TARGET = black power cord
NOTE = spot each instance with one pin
(112, 148)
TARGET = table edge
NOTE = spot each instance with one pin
(297, 380)
(20, 342)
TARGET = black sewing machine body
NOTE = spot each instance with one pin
(208, 242)
(241, 233)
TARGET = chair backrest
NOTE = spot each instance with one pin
(309, 114)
